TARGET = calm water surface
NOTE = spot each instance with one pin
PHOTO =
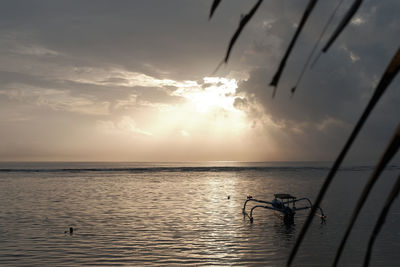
(179, 214)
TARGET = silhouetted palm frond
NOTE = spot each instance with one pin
(306, 14)
(386, 79)
(381, 220)
(214, 7)
(389, 153)
(328, 22)
(353, 9)
(243, 21)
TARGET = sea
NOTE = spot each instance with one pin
(187, 213)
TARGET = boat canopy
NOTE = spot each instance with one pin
(284, 196)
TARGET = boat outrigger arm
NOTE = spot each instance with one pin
(281, 203)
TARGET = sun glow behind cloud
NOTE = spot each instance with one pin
(205, 122)
(208, 108)
(217, 93)
(131, 116)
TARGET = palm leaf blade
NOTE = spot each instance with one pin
(244, 20)
(328, 22)
(214, 7)
(381, 220)
(388, 76)
(306, 14)
(390, 151)
(346, 19)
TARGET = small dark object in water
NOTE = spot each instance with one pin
(229, 197)
(71, 230)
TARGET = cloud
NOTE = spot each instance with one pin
(141, 62)
(34, 50)
(125, 125)
(332, 95)
(240, 103)
(57, 100)
(357, 20)
(212, 93)
(126, 103)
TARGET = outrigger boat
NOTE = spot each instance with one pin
(282, 203)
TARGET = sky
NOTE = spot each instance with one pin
(136, 81)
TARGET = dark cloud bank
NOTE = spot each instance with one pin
(331, 96)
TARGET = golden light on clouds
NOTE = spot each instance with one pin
(205, 121)
(217, 93)
(208, 108)
(138, 117)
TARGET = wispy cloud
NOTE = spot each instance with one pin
(34, 50)
(125, 125)
(358, 20)
(58, 100)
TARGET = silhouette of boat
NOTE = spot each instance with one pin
(283, 204)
